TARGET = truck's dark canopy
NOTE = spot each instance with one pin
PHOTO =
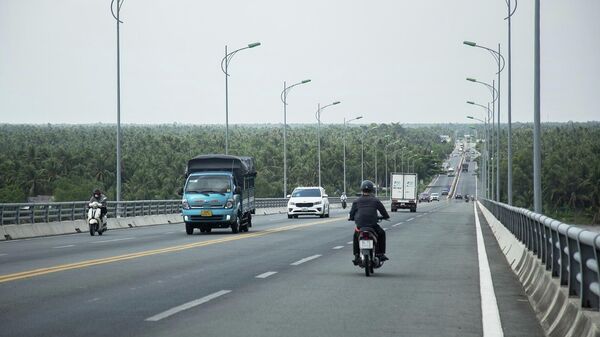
(239, 166)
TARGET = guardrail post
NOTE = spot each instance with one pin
(589, 270)
(547, 246)
(574, 266)
(564, 255)
(555, 247)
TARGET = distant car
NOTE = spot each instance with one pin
(435, 196)
(458, 196)
(445, 192)
(424, 197)
(308, 201)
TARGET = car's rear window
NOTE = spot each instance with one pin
(309, 192)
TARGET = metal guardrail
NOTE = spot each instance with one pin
(21, 213)
(571, 254)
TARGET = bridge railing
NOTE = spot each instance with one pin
(569, 253)
(21, 213)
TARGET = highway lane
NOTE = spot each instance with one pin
(283, 281)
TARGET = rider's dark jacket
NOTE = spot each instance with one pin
(364, 211)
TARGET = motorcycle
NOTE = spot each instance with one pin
(344, 204)
(367, 243)
(96, 222)
(467, 197)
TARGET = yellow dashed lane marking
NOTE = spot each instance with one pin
(95, 262)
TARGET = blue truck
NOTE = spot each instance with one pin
(218, 193)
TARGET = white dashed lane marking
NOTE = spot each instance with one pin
(411, 219)
(349, 242)
(306, 259)
(67, 246)
(186, 306)
(267, 274)
(338, 247)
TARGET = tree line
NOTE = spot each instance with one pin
(69, 161)
(570, 172)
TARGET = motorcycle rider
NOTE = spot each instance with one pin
(364, 213)
(99, 197)
(343, 199)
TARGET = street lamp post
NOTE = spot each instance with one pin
(116, 12)
(537, 154)
(387, 187)
(224, 67)
(500, 62)
(318, 117)
(495, 95)
(346, 122)
(486, 182)
(509, 136)
(283, 97)
(377, 139)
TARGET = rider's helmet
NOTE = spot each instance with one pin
(97, 193)
(367, 186)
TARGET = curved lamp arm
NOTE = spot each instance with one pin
(229, 56)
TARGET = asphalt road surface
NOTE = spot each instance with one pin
(286, 277)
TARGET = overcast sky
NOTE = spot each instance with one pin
(388, 60)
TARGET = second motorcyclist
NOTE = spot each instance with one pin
(99, 197)
(364, 214)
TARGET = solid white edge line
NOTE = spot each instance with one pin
(338, 247)
(490, 315)
(306, 259)
(67, 246)
(267, 274)
(186, 306)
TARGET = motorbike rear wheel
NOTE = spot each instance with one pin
(368, 265)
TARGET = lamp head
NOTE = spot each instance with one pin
(305, 81)
(469, 43)
(255, 44)
(471, 79)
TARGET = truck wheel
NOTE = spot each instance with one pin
(189, 229)
(289, 216)
(249, 222)
(235, 227)
(413, 210)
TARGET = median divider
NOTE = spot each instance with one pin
(559, 314)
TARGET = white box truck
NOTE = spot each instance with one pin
(404, 191)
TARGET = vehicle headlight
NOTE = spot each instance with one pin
(185, 204)
(291, 203)
(229, 203)
(317, 202)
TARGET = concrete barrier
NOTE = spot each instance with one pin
(22, 231)
(559, 315)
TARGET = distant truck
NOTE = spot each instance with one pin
(451, 172)
(404, 191)
(218, 193)
(465, 167)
